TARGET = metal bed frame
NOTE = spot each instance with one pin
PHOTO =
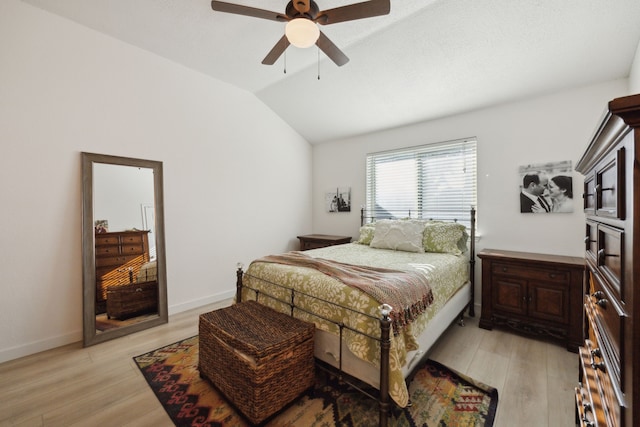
(382, 395)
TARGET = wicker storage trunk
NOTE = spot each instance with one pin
(260, 359)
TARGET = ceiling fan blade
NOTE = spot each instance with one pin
(220, 6)
(351, 12)
(331, 50)
(277, 50)
(302, 6)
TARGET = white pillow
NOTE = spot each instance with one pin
(399, 235)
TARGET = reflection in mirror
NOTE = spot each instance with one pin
(123, 246)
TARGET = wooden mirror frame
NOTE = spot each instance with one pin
(90, 336)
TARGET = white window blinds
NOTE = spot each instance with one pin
(430, 181)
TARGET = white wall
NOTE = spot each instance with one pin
(227, 185)
(634, 75)
(545, 129)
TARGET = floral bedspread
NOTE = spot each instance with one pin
(446, 274)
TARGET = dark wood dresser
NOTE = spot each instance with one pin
(314, 241)
(609, 390)
(533, 293)
(119, 256)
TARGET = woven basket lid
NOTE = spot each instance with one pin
(257, 330)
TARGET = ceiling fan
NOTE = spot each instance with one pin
(302, 17)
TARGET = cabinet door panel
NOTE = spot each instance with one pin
(610, 257)
(589, 195)
(509, 295)
(591, 240)
(610, 187)
(549, 302)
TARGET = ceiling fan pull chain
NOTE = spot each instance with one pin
(285, 62)
(318, 63)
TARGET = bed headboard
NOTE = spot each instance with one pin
(367, 217)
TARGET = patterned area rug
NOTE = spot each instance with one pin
(440, 397)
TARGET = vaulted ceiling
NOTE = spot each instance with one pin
(426, 59)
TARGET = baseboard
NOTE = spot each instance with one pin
(212, 299)
(76, 336)
(39, 346)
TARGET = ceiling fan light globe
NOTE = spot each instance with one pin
(302, 32)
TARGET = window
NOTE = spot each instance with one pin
(429, 181)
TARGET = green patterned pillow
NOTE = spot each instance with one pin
(462, 243)
(443, 237)
(366, 233)
(402, 235)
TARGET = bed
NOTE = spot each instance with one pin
(359, 334)
(148, 272)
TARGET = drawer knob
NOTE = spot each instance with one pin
(599, 188)
(588, 423)
(602, 303)
(602, 255)
(504, 269)
(552, 275)
(596, 352)
(598, 295)
(587, 406)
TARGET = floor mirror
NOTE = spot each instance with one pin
(123, 246)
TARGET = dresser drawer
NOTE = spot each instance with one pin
(597, 402)
(107, 239)
(610, 186)
(602, 309)
(588, 398)
(605, 353)
(547, 275)
(132, 249)
(121, 260)
(107, 250)
(127, 239)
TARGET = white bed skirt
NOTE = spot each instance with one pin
(327, 347)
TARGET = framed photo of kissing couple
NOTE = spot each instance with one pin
(546, 187)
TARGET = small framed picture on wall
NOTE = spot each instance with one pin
(338, 200)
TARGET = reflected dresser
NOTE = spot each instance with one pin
(609, 379)
(119, 257)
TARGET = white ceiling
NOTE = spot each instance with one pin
(426, 59)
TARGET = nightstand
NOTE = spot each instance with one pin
(314, 241)
(533, 293)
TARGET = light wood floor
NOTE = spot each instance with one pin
(102, 386)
